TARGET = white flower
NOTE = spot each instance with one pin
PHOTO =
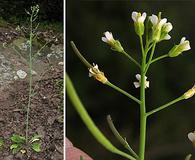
(94, 70)
(191, 136)
(137, 84)
(167, 37)
(160, 28)
(108, 37)
(115, 44)
(156, 21)
(97, 74)
(185, 44)
(138, 18)
(21, 74)
(167, 27)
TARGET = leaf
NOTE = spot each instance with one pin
(18, 139)
(36, 147)
(1, 142)
(35, 138)
(81, 158)
(15, 148)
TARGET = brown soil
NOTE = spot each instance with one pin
(46, 116)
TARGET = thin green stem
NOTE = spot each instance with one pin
(99, 136)
(142, 45)
(159, 58)
(165, 106)
(142, 107)
(131, 58)
(30, 77)
(123, 92)
(119, 137)
(76, 51)
(150, 59)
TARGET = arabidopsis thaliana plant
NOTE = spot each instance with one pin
(137, 84)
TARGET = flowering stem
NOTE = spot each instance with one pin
(99, 136)
(30, 77)
(123, 92)
(159, 58)
(76, 51)
(119, 137)
(131, 58)
(165, 106)
(142, 106)
(142, 46)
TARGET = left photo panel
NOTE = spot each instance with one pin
(31, 80)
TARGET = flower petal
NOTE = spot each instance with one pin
(144, 15)
(182, 40)
(191, 136)
(104, 39)
(138, 77)
(136, 84)
(167, 37)
(162, 21)
(108, 35)
(187, 46)
(154, 19)
(147, 84)
(134, 16)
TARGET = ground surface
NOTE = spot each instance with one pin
(46, 113)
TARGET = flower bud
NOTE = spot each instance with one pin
(160, 28)
(178, 49)
(189, 93)
(191, 137)
(115, 44)
(139, 19)
(157, 27)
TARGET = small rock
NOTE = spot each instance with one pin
(21, 74)
(15, 77)
(61, 63)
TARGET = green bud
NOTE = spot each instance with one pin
(178, 49)
(139, 19)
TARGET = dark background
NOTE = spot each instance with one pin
(167, 130)
(14, 11)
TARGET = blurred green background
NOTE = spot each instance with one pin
(167, 130)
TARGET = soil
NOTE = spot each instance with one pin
(46, 111)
